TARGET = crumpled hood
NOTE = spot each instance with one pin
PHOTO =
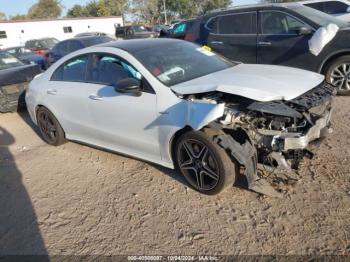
(257, 82)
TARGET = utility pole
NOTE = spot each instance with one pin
(165, 13)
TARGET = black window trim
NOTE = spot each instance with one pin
(260, 30)
(144, 81)
(229, 14)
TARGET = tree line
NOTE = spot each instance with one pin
(150, 11)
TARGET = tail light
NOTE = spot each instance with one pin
(40, 52)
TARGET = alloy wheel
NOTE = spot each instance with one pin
(340, 77)
(47, 127)
(198, 164)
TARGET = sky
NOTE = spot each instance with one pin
(14, 7)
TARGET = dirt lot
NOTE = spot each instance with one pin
(79, 200)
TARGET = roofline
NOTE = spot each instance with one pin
(59, 19)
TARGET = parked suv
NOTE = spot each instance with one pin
(338, 8)
(277, 34)
(133, 32)
(41, 46)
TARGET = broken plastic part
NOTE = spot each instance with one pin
(246, 155)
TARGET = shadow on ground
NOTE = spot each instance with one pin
(19, 230)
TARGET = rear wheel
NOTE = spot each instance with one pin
(51, 131)
(338, 74)
(205, 165)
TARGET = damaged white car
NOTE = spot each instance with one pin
(180, 105)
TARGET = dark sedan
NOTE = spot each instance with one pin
(26, 55)
(14, 78)
(68, 46)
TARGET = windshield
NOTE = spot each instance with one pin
(49, 42)
(7, 61)
(318, 17)
(179, 62)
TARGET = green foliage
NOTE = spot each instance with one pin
(19, 17)
(45, 9)
(99, 8)
(3, 16)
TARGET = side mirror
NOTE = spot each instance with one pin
(303, 30)
(129, 86)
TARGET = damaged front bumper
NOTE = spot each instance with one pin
(297, 141)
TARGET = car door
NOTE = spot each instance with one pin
(281, 43)
(123, 122)
(234, 36)
(67, 96)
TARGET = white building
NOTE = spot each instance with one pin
(15, 33)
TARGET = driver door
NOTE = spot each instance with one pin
(123, 121)
(279, 42)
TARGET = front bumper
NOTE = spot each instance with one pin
(296, 141)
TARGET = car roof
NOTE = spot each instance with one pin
(135, 45)
(253, 7)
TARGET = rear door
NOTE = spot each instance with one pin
(234, 36)
(279, 42)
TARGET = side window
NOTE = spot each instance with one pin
(108, 69)
(335, 7)
(212, 25)
(62, 48)
(278, 23)
(3, 34)
(244, 23)
(72, 71)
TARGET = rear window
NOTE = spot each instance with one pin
(8, 61)
(244, 23)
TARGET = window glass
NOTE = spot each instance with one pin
(237, 24)
(72, 71)
(317, 6)
(7, 61)
(180, 62)
(108, 70)
(3, 34)
(277, 23)
(335, 7)
(67, 29)
(212, 25)
(62, 48)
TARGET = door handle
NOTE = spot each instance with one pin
(95, 97)
(51, 92)
(164, 113)
(217, 42)
(262, 43)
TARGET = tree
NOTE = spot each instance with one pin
(148, 11)
(45, 9)
(19, 17)
(3, 16)
(76, 11)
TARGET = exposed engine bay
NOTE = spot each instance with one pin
(282, 132)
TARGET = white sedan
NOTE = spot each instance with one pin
(176, 104)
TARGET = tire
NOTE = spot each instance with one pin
(205, 165)
(50, 129)
(338, 74)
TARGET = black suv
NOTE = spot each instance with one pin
(277, 34)
(133, 32)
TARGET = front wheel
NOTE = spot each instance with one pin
(205, 165)
(338, 74)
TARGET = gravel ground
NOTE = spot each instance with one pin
(78, 200)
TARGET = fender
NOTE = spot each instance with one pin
(330, 56)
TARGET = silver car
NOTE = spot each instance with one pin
(180, 105)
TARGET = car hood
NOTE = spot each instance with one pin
(257, 82)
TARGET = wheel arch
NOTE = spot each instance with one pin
(331, 58)
(174, 139)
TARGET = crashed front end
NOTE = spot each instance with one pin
(274, 135)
